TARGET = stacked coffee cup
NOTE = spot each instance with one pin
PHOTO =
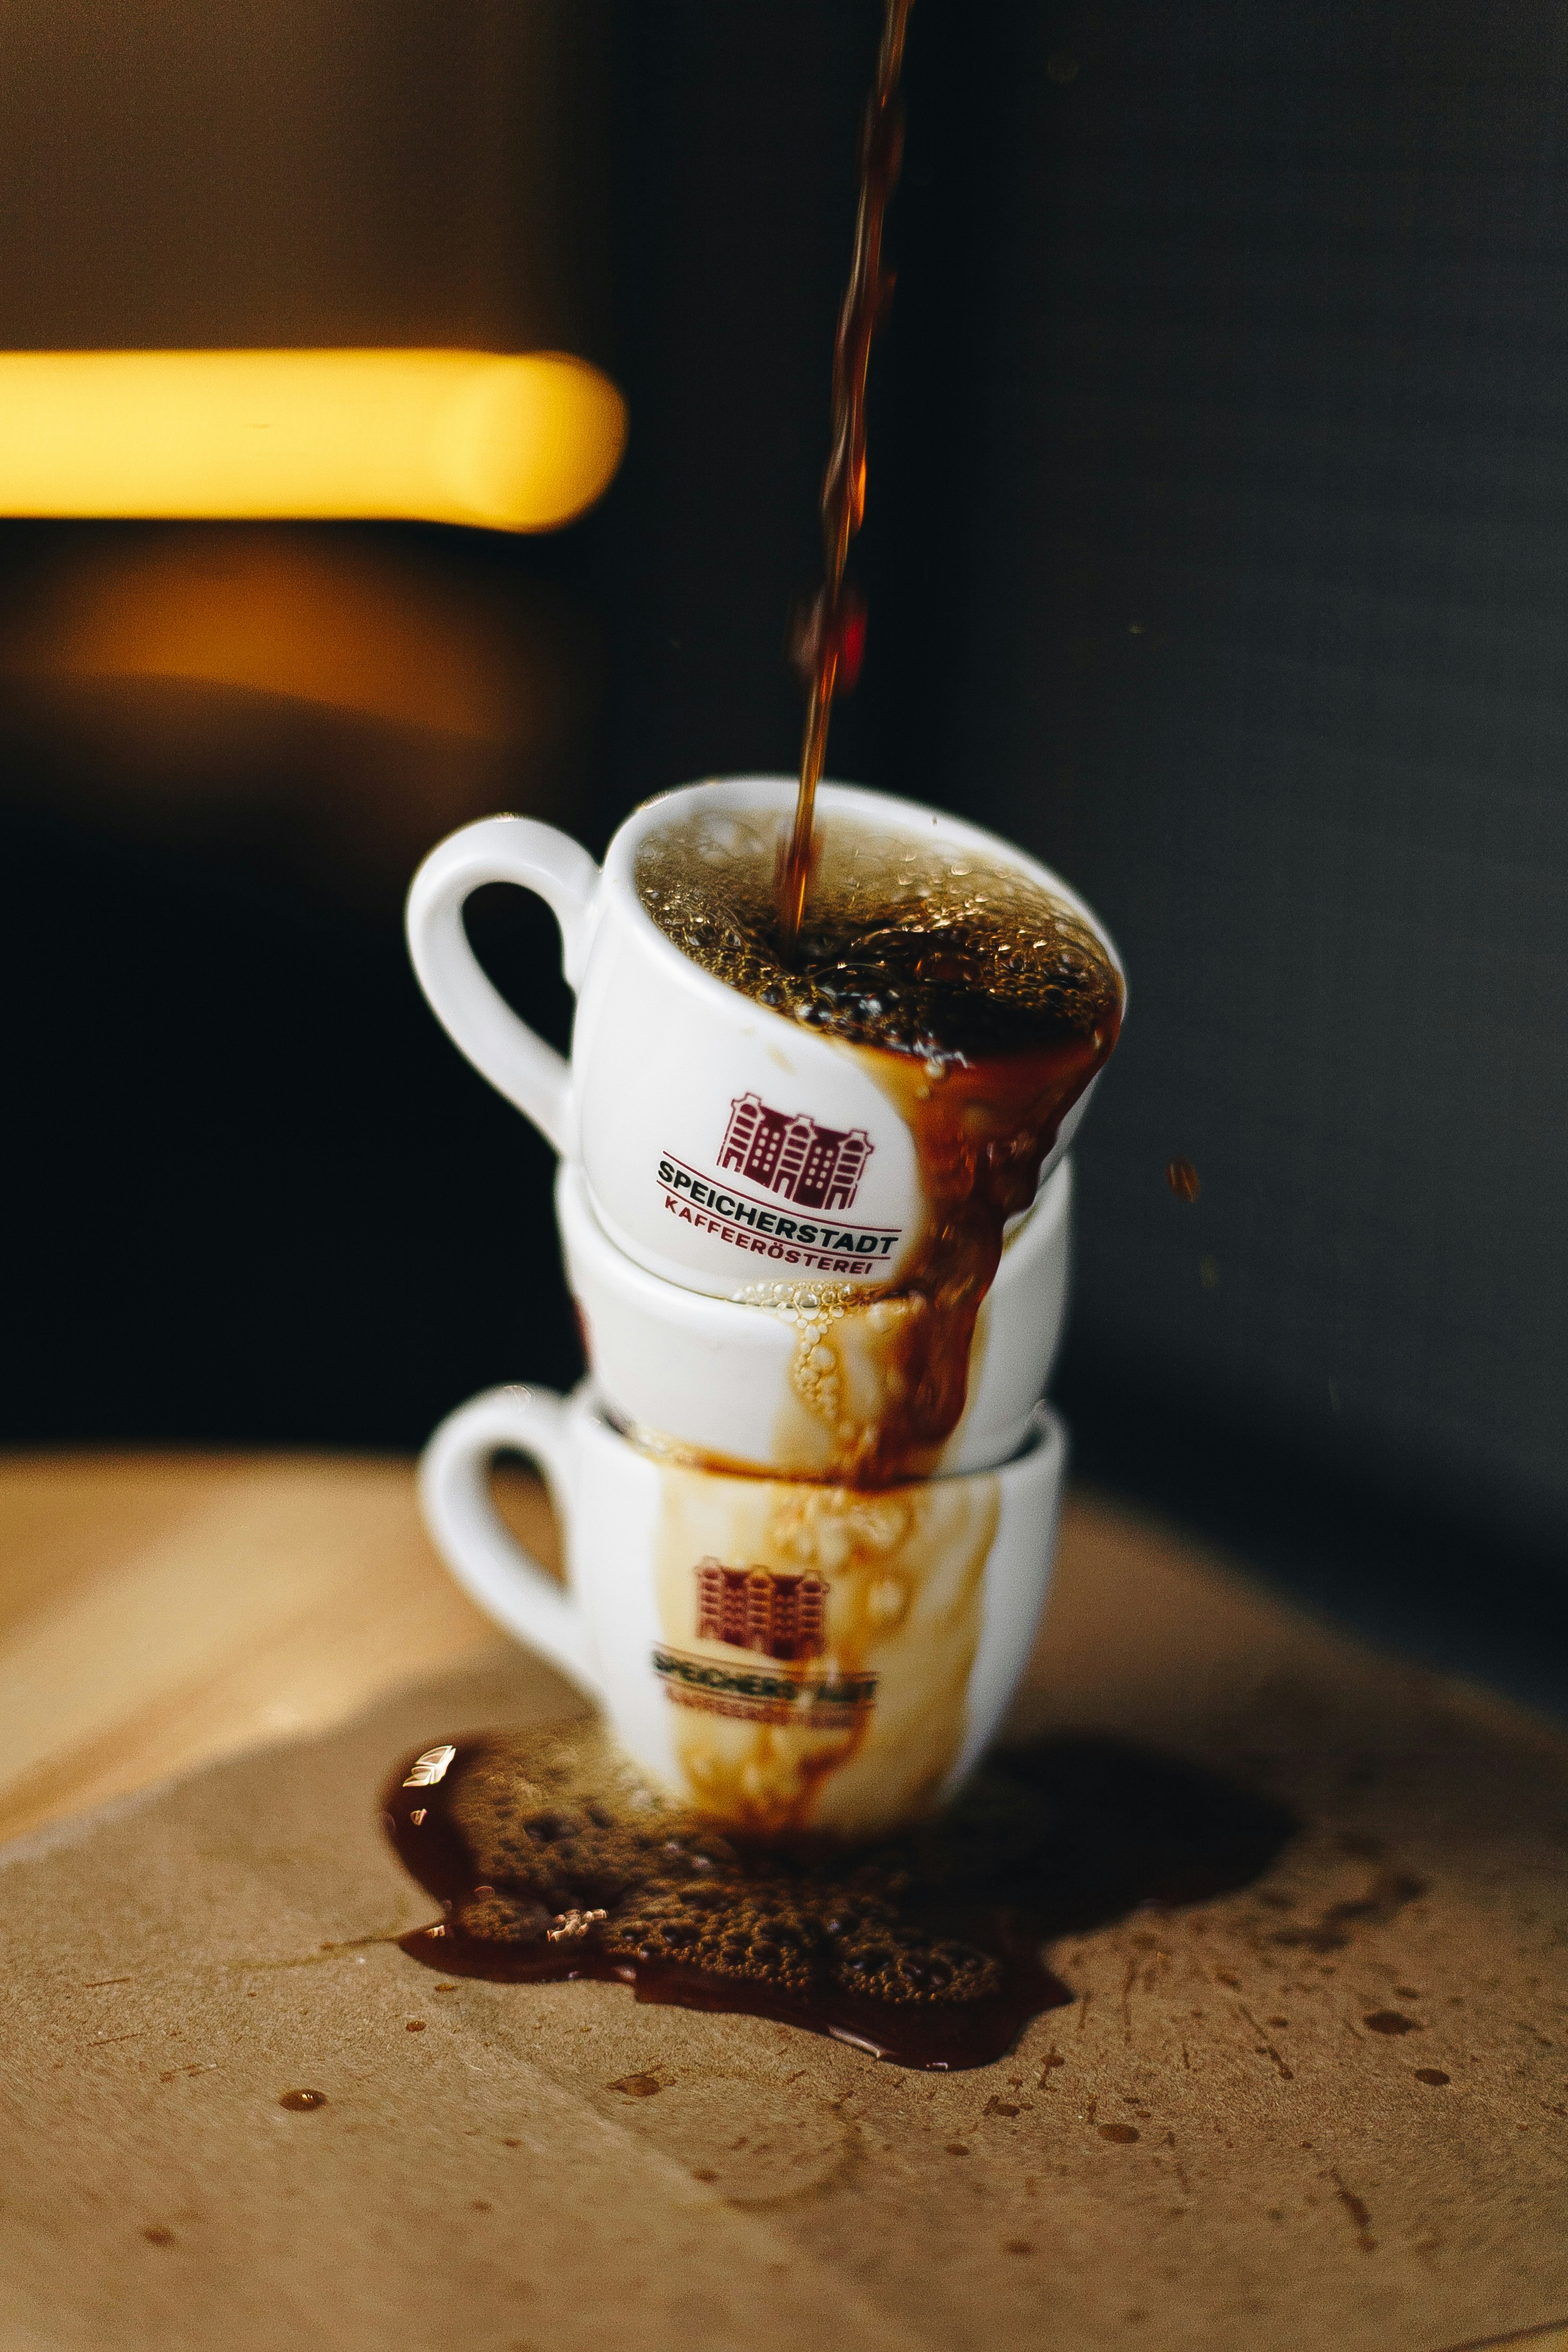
(788, 1620)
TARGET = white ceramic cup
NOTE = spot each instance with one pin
(722, 1143)
(783, 1654)
(794, 1386)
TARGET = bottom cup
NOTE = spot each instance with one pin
(786, 1655)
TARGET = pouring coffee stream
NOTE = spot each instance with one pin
(834, 630)
(981, 1135)
(978, 1003)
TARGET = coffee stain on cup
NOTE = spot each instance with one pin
(880, 1384)
(983, 1131)
(819, 1644)
(849, 1372)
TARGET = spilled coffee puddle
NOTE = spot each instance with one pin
(551, 1858)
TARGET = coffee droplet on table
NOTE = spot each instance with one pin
(302, 2103)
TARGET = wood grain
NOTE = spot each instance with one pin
(158, 1609)
(161, 1610)
(1220, 2144)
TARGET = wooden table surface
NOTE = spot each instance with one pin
(1298, 2181)
(157, 1610)
(160, 1610)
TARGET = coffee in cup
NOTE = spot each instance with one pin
(877, 1127)
(979, 1000)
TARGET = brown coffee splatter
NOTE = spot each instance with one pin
(1355, 2207)
(1265, 2047)
(1384, 1899)
(925, 1947)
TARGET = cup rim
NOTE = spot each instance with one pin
(579, 1226)
(1044, 1449)
(776, 794)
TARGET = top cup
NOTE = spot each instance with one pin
(724, 1145)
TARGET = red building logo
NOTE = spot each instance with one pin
(816, 1166)
(771, 1611)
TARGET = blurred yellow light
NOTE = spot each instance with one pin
(508, 442)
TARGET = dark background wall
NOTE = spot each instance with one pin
(1215, 550)
(1277, 496)
(301, 173)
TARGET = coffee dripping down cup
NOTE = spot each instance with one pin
(784, 1655)
(747, 1219)
(722, 1142)
(788, 1379)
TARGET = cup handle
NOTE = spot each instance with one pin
(505, 1050)
(483, 1555)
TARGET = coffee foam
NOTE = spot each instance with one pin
(916, 948)
(552, 1859)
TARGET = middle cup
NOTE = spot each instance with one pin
(795, 1381)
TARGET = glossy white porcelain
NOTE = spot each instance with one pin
(783, 1654)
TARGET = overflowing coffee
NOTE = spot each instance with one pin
(552, 1860)
(798, 1645)
(981, 1004)
(922, 949)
